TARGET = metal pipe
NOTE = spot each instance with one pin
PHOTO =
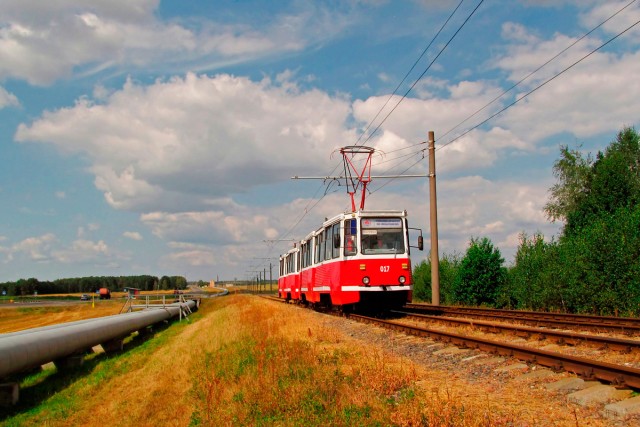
(33, 347)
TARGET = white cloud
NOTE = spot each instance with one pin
(41, 43)
(477, 207)
(193, 255)
(594, 97)
(210, 226)
(35, 248)
(189, 141)
(409, 123)
(7, 99)
(81, 251)
(133, 235)
(47, 248)
(82, 231)
(602, 11)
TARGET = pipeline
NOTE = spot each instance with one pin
(30, 348)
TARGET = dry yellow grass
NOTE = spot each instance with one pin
(246, 361)
(16, 318)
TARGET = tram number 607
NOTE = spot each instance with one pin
(384, 268)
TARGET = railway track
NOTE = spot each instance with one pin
(617, 375)
(588, 369)
(622, 325)
(567, 338)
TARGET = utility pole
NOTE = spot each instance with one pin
(270, 267)
(433, 220)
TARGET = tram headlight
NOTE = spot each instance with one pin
(366, 280)
(402, 280)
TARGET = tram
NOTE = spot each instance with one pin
(355, 260)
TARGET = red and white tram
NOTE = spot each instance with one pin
(355, 260)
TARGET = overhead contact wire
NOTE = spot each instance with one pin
(425, 71)
(523, 96)
(408, 73)
(537, 69)
(542, 84)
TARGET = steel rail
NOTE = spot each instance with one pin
(590, 369)
(570, 338)
(582, 318)
(30, 348)
(629, 326)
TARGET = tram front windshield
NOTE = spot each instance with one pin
(382, 236)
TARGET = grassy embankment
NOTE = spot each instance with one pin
(245, 361)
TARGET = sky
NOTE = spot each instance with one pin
(160, 137)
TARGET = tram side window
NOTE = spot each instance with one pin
(305, 252)
(320, 248)
(328, 242)
(281, 267)
(350, 233)
(335, 252)
(312, 248)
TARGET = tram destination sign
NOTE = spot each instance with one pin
(382, 223)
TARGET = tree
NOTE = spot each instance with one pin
(573, 174)
(595, 265)
(449, 264)
(588, 189)
(180, 282)
(422, 281)
(527, 279)
(481, 274)
(165, 283)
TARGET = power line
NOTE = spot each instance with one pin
(542, 84)
(425, 71)
(537, 69)
(421, 76)
(525, 95)
(408, 72)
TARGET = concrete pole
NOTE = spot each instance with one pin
(433, 208)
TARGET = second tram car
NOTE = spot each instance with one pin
(355, 260)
